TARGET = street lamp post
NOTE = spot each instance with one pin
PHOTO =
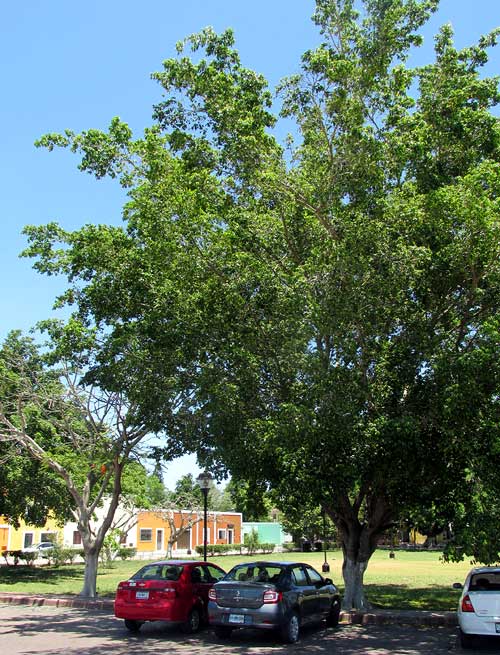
(326, 567)
(203, 481)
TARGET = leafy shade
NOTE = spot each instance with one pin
(323, 319)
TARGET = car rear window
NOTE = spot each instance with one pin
(158, 572)
(485, 582)
(255, 573)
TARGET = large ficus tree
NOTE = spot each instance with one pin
(331, 307)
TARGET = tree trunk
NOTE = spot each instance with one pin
(359, 538)
(90, 575)
(354, 594)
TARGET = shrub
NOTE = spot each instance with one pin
(126, 552)
(29, 558)
(224, 549)
(251, 541)
(15, 554)
(68, 555)
(53, 555)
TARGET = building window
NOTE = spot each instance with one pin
(28, 539)
(221, 534)
(146, 534)
(48, 536)
(77, 538)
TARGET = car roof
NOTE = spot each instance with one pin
(484, 569)
(177, 562)
(271, 563)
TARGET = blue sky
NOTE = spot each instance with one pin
(76, 65)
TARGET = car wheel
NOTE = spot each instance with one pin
(466, 640)
(193, 622)
(133, 626)
(332, 619)
(291, 628)
(222, 631)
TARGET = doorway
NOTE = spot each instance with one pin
(159, 539)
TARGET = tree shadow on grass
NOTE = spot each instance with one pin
(438, 598)
(14, 575)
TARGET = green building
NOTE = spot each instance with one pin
(269, 532)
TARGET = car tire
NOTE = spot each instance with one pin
(132, 626)
(222, 631)
(291, 628)
(466, 640)
(193, 622)
(333, 617)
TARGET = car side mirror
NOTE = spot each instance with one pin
(328, 581)
(458, 585)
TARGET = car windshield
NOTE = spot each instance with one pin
(159, 572)
(255, 573)
(489, 581)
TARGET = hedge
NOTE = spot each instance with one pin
(225, 549)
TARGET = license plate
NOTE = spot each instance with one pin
(236, 618)
(497, 627)
(142, 595)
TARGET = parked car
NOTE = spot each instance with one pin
(479, 605)
(173, 590)
(272, 595)
(43, 547)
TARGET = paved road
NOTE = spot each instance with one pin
(57, 631)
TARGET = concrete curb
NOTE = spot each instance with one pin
(354, 617)
(400, 617)
(59, 601)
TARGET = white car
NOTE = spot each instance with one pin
(41, 548)
(479, 605)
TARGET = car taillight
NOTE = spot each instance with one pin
(212, 594)
(270, 597)
(168, 592)
(467, 605)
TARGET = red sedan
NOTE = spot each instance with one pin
(174, 591)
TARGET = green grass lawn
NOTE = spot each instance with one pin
(412, 580)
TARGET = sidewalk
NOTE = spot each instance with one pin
(378, 617)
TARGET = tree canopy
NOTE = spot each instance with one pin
(84, 436)
(326, 312)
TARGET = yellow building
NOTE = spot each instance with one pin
(12, 538)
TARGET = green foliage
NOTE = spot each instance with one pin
(214, 550)
(28, 558)
(16, 555)
(30, 490)
(218, 549)
(305, 522)
(141, 489)
(251, 541)
(110, 546)
(321, 321)
(60, 555)
(253, 500)
(126, 552)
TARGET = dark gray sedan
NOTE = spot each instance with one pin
(272, 595)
